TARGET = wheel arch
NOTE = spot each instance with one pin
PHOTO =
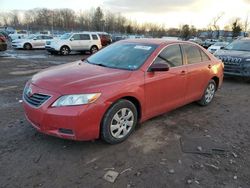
(28, 44)
(94, 45)
(217, 81)
(65, 45)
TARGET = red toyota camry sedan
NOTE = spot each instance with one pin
(125, 83)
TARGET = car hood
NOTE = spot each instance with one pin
(78, 77)
(233, 53)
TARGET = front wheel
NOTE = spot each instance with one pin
(208, 94)
(119, 122)
(64, 50)
(27, 46)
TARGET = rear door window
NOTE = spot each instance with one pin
(85, 37)
(76, 37)
(193, 53)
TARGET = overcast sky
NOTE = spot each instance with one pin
(171, 13)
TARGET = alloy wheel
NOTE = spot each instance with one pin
(210, 91)
(122, 123)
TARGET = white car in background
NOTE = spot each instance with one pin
(31, 42)
(196, 40)
(81, 42)
(19, 34)
(217, 46)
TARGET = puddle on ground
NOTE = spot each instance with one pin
(7, 88)
(23, 56)
(25, 72)
(25, 66)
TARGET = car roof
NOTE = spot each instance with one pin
(156, 41)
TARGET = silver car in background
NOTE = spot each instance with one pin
(31, 42)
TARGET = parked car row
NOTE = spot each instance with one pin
(68, 42)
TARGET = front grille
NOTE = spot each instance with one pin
(232, 64)
(48, 42)
(35, 99)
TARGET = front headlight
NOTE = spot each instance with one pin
(79, 99)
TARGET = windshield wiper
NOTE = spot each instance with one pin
(99, 64)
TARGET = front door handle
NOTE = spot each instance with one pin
(183, 72)
(209, 66)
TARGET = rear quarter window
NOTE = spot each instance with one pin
(94, 37)
(204, 56)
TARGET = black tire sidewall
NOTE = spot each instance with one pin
(91, 49)
(105, 126)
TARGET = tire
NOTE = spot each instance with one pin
(208, 93)
(119, 122)
(93, 49)
(64, 50)
(27, 46)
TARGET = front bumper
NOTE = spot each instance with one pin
(17, 45)
(50, 49)
(71, 122)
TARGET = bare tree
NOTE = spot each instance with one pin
(214, 24)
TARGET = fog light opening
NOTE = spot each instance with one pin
(65, 131)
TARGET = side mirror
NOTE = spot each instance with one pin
(158, 67)
(71, 39)
(222, 48)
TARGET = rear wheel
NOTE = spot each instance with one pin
(208, 94)
(65, 50)
(27, 46)
(119, 122)
(93, 49)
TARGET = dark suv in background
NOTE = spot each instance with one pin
(236, 58)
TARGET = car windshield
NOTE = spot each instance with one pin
(239, 45)
(31, 37)
(65, 36)
(128, 56)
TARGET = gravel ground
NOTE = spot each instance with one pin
(172, 150)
